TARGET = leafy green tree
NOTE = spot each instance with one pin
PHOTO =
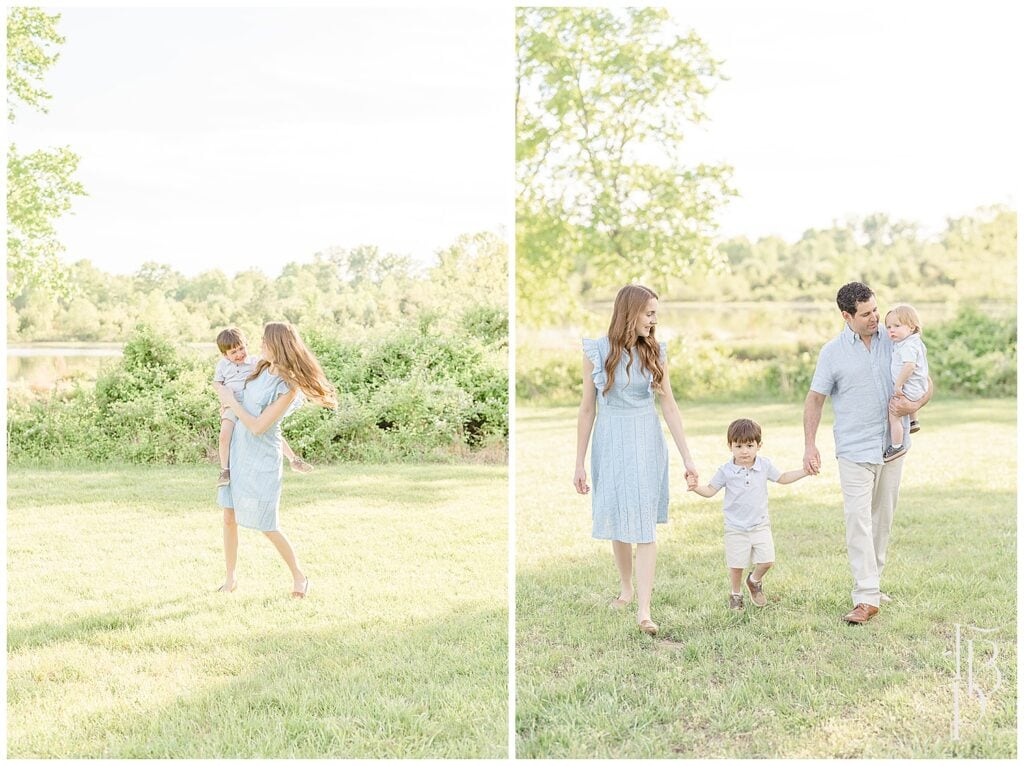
(40, 185)
(604, 98)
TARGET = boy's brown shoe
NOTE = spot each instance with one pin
(736, 603)
(860, 614)
(755, 592)
(224, 479)
(915, 426)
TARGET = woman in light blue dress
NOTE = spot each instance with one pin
(285, 376)
(629, 461)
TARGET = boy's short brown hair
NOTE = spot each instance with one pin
(230, 338)
(742, 431)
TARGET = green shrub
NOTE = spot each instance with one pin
(972, 355)
(405, 397)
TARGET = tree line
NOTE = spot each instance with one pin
(357, 292)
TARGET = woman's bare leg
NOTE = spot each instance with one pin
(288, 554)
(230, 549)
(646, 554)
(624, 561)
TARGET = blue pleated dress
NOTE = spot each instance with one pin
(255, 461)
(629, 457)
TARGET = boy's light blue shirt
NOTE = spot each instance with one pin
(746, 492)
(859, 381)
(911, 349)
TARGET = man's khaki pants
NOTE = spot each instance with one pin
(869, 499)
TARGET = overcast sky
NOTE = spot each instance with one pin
(837, 109)
(240, 137)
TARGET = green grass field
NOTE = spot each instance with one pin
(118, 647)
(791, 680)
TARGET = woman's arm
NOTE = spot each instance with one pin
(257, 425)
(670, 411)
(585, 425)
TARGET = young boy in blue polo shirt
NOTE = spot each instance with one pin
(748, 534)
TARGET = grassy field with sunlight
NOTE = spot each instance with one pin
(790, 680)
(118, 647)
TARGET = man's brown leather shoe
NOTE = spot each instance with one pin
(861, 613)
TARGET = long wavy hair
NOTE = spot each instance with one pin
(296, 364)
(630, 304)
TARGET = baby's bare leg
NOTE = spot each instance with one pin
(895, 430)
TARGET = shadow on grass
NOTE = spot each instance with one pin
(389, 689)
(428, 485)
(87, 627)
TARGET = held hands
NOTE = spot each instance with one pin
(692, 479)
(580, 481)
(812, 460)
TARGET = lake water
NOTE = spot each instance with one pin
(40, 366)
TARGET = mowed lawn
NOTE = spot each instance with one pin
(791, 680)
(118, 647)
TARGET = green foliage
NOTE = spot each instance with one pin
(604, 98)
(361, 293)
(40, 186)
(972, 355)
(30, 35)
(974, 259)
(404, 397)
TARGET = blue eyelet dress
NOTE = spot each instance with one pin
(629, 456)
(255, 461)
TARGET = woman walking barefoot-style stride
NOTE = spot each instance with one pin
(629, 460)
(285, 376)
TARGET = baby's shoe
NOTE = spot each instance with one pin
(891, 453)
(224, 479)
(915, 426)
(736, 602)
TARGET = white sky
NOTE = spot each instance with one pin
(236, 138)
(841, 109)
(241, 137)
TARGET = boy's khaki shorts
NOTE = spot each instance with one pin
(754, 546)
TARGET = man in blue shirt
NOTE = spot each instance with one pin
(854, 370)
